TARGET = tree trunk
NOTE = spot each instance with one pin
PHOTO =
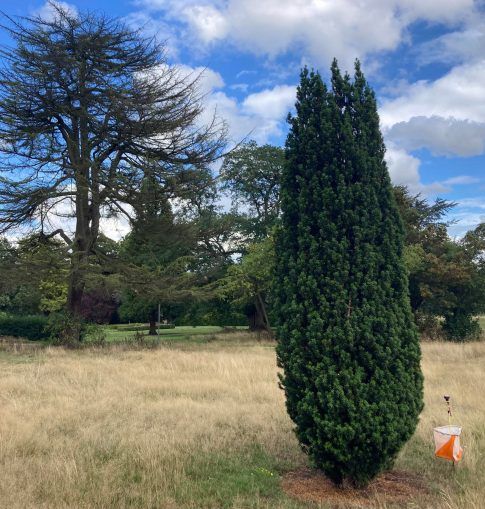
(76, 280)
(86, 213)
(79, 262)
(75, 293)
(153, 323)
(258, 320)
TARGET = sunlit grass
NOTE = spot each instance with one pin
(126, 332)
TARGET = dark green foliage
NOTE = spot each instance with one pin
(447, 280)
(63, 328)
(155, 245)
(461, 326)
(213, 312)
(424, 223)
(135, 309)
(251, 174)
(32, 275)
(31, 327)
(446, 276)
(346, 337)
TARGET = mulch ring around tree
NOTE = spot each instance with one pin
(396, 487)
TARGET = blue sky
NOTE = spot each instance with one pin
(425, 59)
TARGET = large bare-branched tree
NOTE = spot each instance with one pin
(87, 105)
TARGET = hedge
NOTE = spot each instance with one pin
(31, 327)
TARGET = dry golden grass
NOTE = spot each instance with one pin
(200, 426)
(458, 370)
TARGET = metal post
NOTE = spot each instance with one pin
(448, 404)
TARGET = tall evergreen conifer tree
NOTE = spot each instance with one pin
(346, 340)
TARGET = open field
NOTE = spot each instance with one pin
(196, 425)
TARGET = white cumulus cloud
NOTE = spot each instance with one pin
(445, 116)
(208, 22)
(459, 94)
(404, 170)
(322, 29)
(260, 115)
(272, 103)
(441, 136)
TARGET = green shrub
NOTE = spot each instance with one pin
(461, 326)
(32, 327)
(346, 339)
(429, 326)
(65, 329)
(96, 334)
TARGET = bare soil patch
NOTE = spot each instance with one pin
(393, 488)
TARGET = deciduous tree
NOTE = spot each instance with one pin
(251, 174)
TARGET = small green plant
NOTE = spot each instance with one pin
(96, 334)
(265, 471)
(139, 338)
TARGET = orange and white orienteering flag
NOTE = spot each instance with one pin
(447, 443)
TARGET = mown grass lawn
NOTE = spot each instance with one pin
(199, 334)
(198, 425)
